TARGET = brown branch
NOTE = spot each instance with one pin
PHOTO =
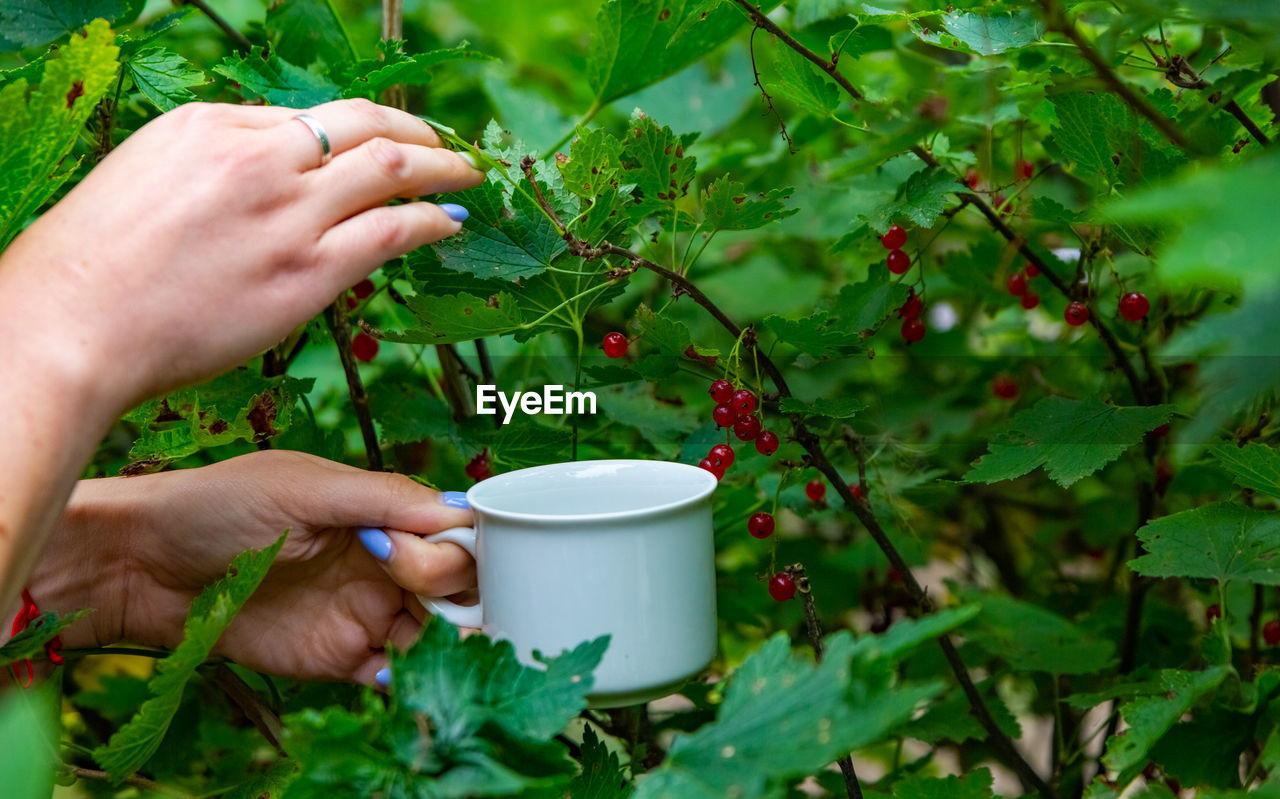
(813, 626)
(264, 719)
(1056, 19)
(335, 316)
(136, 781)
(828, 66)
(1183, 75)
(234, 35)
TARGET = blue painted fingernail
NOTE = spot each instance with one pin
(455, 499)
(383, 677)
(456, 212)
(377, 542)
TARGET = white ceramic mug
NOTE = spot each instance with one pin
(572, 551)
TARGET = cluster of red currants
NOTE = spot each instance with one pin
(478, 468)
(736, 409)
(913, 329)
(1017, 286)
(898, 261)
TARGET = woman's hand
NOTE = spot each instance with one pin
(139, 549)
(213, 231)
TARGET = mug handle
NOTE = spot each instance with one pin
(452, 612)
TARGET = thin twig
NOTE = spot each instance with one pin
(133, 779)
(1056, 19)
(242, 43)
(762, 21)
(768, 99)
(265, 720)
(335, 316)
(1180, 73)
(813, 625)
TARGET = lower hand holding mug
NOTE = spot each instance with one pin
(571, 551)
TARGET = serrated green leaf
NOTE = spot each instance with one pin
(1071, 439)
(653, 159)
(163, 77)
(277, 81)
(818, 335)
(922, 199)
(497, 243)
(663, 425)
(639, 42)
(416, 70)
(862, 306)
(1223, 541)
(1254, 466)
(30, 642)
(800, 82)
(272, 784)
(458, 317)
(38, 132)
(602, 776)
(726, 205)
(984, 34)
(407, 411)
(830, 407)
(1206, 750)
(521, 443)
(31, 23)
(784, 717)
(974, 785)
(661, 332)
(132, 745)
(1150, 717)
(594, 163)
(1032, 638)
(811, 11)
(305, 31)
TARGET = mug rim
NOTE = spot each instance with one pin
(681, 470)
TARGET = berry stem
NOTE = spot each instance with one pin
(813, 626)
(335, 316)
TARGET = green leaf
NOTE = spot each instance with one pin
(662, 424)
(830, 407)
(28, 738)
(31, 23)
(662, 332)
(639, 42)
(784, 717)
(416, 70)
(1032, 638)
(984, 34)
(602, 776)
(1223, 541)
(922, 199)
(653, 158)
(277, 81)
(800, 82)
(459, 317)
(30, 642)
(818, 335)
(594, 163)
(1150, 717)
(862, 306)
(271, 784)
(727, 206)
(974, 785)
(163, 77)
(1071, 439)
(38, 132)
(1212, 216)
(406, 411)
(305, 31)
(526, 443)
(1206, 749)
(811, 11)
(1254, 466)
(132, 745)
(497, 243)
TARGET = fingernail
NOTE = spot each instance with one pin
(456, 212)
(455, 499)
(383, 677)
(377, 542)
(471, 161)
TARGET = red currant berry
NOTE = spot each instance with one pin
(782, 587)
(899, 262)
(478, 467)
(1164, 476)
(1033, 270)
(709, 465)
(1160, 432)
(1002, 204)
(1212, 612)
(894, 239)
(1016, 284)
(973, 179)
(1026, 169)
(767, 442)
(815, 490)
(614, 345)
(352, 302)
(760, 525)
(747, 428)
(362, 289)
(893, 575)
(1134, 306)
(856, 490)
(1030, 300)
(743, 401)
(913, 330)
(1076, 314)
(1271, 632)
(721, 391)
(724, 415)
(364, 347)
(912, 307)
(1004, 387)
(722, 455)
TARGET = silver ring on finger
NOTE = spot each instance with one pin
(315, 127)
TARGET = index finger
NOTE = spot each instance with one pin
(349, 123)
